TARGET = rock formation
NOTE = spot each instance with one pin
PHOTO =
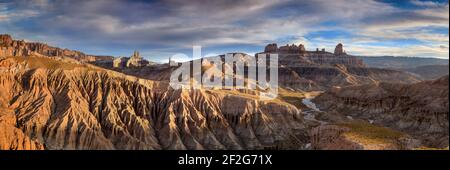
(5, 40)
(87, 108)
(10, 47)
(330, 137)
(135, 61)
(339, 50)
(271, 48)
(293, 55)
(12, 138)
(320, 70)
(420, 109)
(301, 73)
(54, 99)
(120, 62)
(288, 49)
(360, 136)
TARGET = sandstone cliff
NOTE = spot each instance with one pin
(84, 107)
(10, 47)
(294, 56)
(420, 109)
(51, 99)
(320, 70)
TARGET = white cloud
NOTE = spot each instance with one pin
(426, 3)
(179, 24)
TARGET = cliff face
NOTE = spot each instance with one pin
(10, 47)
(321, 70)
(429, 72)
(12, 138)
(419, 109)
(325, 77)
(51, 99)
(293, 55)
(309, 77)
(299, 69)
(87, 108)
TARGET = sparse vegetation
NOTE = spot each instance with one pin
(48, 63)
(371, 134)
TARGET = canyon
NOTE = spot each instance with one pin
(419, 109)
(55, 98)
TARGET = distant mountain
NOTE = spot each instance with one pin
(429, 72)
(401, 62)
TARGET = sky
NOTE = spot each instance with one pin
(160, 29)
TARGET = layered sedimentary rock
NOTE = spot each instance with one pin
(297, 69)
(10, 47)
(325, 77)
(339, 50)
(287, 49)
(13, 138)
(271, 48)
(420, 109)
(319, 70)
(88, 108)
(301, 76)
(292, 49)
(360, 136)
(429, 72)
(135, 61)
(293, 55)
(330, 137)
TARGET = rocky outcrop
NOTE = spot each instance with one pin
(429, 72)
(297, 70)
(271, 48)
(295, 56)
(339, 50)
(10, 47)
(290, 77)
(361, 137)
(12, 138)
(288, 49)
(86, 108)
(135, 61)
(5, 40)
(324, 77)
(120, 62)
(420, 109)
(320, 70)
(330, 137)
(309, 76)
(292, 49)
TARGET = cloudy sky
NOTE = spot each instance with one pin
(160, 29)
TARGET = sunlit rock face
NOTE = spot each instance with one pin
(319, 70)
(51, 99)
(419, 109)
(135, 61)
(87, 108)
(10, 47)
(339, 50)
